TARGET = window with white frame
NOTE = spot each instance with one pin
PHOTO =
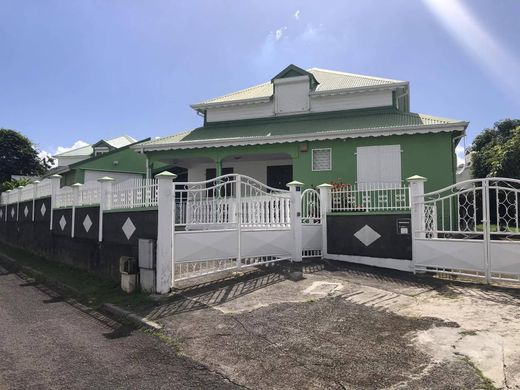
(322, 159)
(379, 164)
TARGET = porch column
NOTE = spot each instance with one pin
(165, 230)
(218, 166)
(325, 190)
(295, 188)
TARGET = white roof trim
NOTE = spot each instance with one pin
(318, 136)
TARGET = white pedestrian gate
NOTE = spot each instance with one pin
(311, 224)
(227, 223)
(470, 228)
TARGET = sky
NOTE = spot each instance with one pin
(76, 71)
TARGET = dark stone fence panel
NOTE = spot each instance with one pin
(121, 232)
(381, 235)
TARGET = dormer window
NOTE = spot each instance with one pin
(100, 150)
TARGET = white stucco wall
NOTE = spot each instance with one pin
(317, 104)
(117, 176)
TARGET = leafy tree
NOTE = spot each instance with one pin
(497, 150)
(14, 183)
(18, 156)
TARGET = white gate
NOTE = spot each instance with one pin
(311, 224)
(470, 228)
(227, 223)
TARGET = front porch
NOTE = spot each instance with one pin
(274, 169)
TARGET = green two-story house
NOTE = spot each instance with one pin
(314, 126)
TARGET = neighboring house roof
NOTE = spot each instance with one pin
(328, 81)
(117, 142)
(352, 124)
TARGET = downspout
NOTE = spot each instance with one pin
(397, 97)
(147, 167)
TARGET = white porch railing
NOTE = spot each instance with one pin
(370, 197)
(134, 193)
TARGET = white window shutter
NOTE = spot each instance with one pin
(379, 164)
(368, 165)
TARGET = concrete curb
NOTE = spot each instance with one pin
(132, 317)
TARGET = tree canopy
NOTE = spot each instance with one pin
(497, 150)
(18, 156)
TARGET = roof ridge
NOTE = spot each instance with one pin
(355, 75)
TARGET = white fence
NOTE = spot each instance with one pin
(134, 193)
(370, 197)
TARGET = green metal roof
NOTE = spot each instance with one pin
(367, 120)
(328, 80)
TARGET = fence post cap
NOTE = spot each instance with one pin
(166, 174)
(56, 176)
(294, 183)
(19, 187)
(36, 182)
(416, 178)
(325, 185)
(105, 178)
(8, 190)
(76, 185)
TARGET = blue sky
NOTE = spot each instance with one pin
(86, 69)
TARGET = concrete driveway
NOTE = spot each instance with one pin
(348, 327)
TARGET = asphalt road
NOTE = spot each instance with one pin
(48, 343)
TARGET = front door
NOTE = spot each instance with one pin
(279, 175)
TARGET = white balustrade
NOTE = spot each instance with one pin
(370, 197)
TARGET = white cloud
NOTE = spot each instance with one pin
(278, 34)
(297, 14)
(312, 32)
(459, 151)
(77, 144)
(44, 154)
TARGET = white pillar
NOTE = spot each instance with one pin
(19, 199)
(55, 188)
(325, 190)
(35, 196)
(165, 230)
(75, 202)
(416, 183)
(105, 201)
(7, 203)
(295, 188)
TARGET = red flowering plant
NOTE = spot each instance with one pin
(341, 199)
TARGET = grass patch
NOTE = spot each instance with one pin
(165, 339)
(486, 384)
(91, 289)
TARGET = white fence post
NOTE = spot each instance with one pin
(325, 190)
(55, 188)
(7, 203)
(19, 190)
(35, 196)
(165, 228)
(295, 188)
(417, 210)
(105, 201)
(75, 201)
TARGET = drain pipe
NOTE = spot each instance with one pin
(399, 97)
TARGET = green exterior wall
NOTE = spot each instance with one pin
(428, 155)
(129, 161)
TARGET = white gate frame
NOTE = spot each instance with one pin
(456, 232)
(257, 232)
